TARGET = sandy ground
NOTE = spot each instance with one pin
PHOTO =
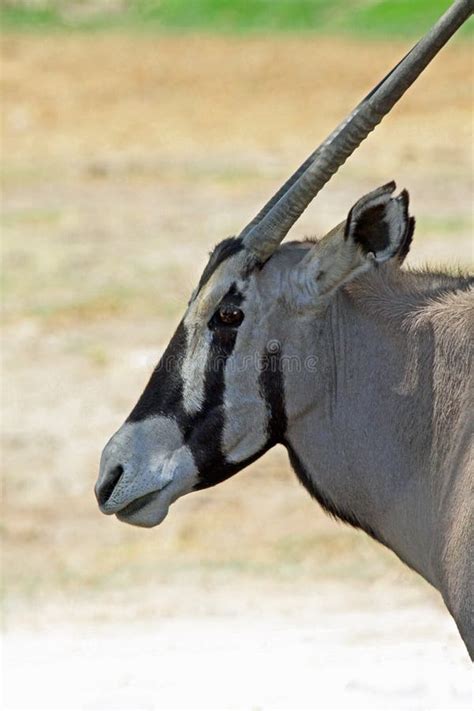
(124, 160)
(240, 645)
(258, 662)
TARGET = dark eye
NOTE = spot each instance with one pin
(228, 315)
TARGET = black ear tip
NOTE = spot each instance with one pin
(389, 187)
(405, 245)
(404, 200)
(404, 197)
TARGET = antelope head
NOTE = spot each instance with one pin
(216, 400)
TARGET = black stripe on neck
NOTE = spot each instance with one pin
(323, 500)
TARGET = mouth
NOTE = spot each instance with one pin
(144, 511)
(138, 504)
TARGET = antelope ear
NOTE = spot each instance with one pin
(378, 228)
(381, 225)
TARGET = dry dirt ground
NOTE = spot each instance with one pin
(124, 160)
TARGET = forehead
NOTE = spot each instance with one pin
(228, 267)
(221, 253)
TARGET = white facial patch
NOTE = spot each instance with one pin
(198, 336)
(246, 412)
(245, 429)
(193, 369)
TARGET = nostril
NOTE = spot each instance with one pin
(106, 488)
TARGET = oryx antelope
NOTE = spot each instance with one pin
(359, 368)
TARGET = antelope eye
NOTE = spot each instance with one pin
(229, 315)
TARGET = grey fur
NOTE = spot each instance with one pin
(378, 415)
(379, 411)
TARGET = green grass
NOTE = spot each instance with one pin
(375, 17)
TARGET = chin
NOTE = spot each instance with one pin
(143, 520)
(146, 515)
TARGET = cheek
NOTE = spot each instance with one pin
(246, 418)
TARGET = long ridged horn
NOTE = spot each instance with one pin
(263, 235)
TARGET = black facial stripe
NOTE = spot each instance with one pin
(204, 436)
(163, 394)
(271, 389)
(203, 431)
(215, 469)
(225, 249)
(234, 296)
(206, 440)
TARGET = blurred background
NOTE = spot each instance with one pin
(135, 135)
